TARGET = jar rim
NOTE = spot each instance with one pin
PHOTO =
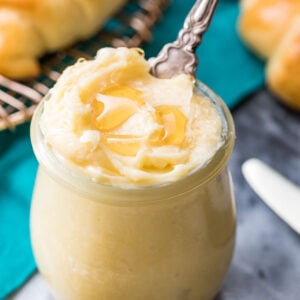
(197, 176)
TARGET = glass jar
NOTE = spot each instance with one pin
(171, 241)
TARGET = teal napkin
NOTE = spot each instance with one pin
(17, 172)
(225, 66)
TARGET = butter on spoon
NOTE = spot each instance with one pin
(179, 57)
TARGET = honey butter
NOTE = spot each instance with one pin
(112, 120)
(133, 199)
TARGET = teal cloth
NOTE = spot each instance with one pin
(225, 66)
(17, 172)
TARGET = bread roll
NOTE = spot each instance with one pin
(283, 68)
(30, 28)
(271, 28)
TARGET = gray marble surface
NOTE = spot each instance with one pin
(266, 263)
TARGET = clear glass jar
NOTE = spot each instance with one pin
(93, 241)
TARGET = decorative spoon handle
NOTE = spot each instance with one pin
(179, 57)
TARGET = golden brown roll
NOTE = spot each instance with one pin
(271, 28)
(30, 28)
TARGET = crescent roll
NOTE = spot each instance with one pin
(30, 28)
(271, 28)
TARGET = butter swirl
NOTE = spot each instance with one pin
(112, 120)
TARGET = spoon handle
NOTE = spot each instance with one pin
(179, 57)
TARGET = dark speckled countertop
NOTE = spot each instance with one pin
(266, 263)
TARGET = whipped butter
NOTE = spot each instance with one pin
(116, 123)
(144, 234)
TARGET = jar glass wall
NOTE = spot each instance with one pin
(166, 241)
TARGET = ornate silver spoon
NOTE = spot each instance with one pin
(179, 57)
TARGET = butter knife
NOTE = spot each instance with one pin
(280, 194)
